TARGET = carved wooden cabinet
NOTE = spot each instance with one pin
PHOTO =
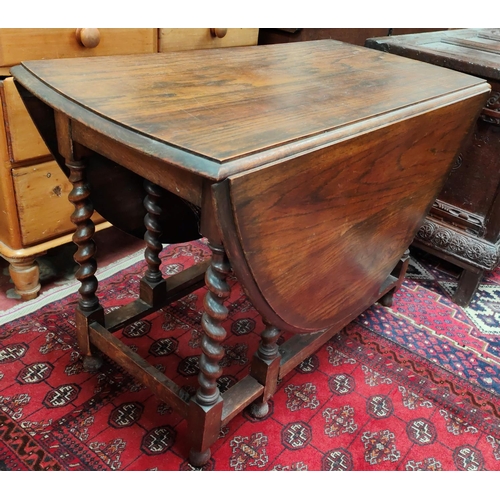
(34, 206)
(463, 226)
(356, 36)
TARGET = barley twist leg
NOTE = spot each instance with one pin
(88, 306)
(153, 231)
(206, 406)
(215, 313)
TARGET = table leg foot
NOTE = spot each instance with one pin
(387, 299)
(204, 424)
(92, 364)
(259, 409)
(199, 458)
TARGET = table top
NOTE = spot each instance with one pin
(474, 51)
(223, 111)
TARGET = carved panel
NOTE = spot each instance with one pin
(465, 247)
(491, 113)
(458, 162)
(458, 216)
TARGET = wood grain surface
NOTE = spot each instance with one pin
(175, 39)
(321, 232)
(42, 202)
(226, 104)
(20, 44)
(473, 51)
(24, 140)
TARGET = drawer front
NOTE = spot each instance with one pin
(174, 39)
(23, 140)
(44, 211)
(24, 44)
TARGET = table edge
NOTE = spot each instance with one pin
(216, 170)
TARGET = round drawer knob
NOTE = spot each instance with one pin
(218, 32)
(88, 37)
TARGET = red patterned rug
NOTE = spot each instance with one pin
(415, 387)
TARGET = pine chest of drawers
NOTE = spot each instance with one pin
(34, 204)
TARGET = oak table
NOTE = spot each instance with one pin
(463, 226)
(308, 167)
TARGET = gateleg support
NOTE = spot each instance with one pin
(399, 272)
(265, 368)
(266, 372)
(153, 289)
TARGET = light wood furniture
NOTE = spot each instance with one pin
(34, 207)
(310, 165)
(463, 226)
(175, 39)
(34, 191)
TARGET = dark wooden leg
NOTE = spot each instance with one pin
(467, 286)
(387, 299)
(152, 289)
(205, 411)
(398, 272)
(88, 309)
(265, 368)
